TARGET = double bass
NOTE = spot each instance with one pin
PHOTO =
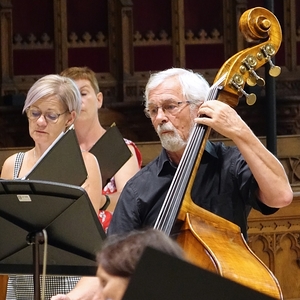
(208, 240)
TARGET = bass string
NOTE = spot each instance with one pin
(172, 203)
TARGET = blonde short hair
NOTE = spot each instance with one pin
(61, 87)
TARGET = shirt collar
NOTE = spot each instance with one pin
(164, 161)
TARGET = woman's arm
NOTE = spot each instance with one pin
(87, 288)
(130, 168)
(8, 167)
(93, 183)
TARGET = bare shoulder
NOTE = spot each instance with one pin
(131, 148)
(89, 158)
(8, 166)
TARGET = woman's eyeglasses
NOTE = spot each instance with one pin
(35, 114)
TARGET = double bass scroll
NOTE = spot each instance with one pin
(210, 241)
(255, 24)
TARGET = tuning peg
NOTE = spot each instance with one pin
(269, 51)
(254, 79)
(250, 98)
(236, 82)
(248, 64)
(274, 70)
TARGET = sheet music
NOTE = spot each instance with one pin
(62, 162)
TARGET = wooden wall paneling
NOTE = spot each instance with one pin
(178, 33)
(87, 27)
(234, 41)
(33, 29)
(120, 36)
(115, 49)
(13, 127)
(230, 29)
(298, 33)
(130, 89)
(60, 35)
(6, 59)
(127, 39)
(153, 35)
(204, 42)
(275, 239)
(290, 42)
(120, 82)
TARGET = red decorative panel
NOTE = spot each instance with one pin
(203, 15)
(34, 62)
(204, 56)
(152, 58)
(152, 15)
(87, 16)
(34, 16)
(95, 58)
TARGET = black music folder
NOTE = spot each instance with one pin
(74, 233)
(160, 276)
(62, 162)
(111, 152)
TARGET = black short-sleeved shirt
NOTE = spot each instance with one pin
(224, 185)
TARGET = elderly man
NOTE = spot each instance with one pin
(230, 180)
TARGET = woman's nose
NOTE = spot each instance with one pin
(41, 119)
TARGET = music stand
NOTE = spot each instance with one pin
(74, 233)
(161, 276)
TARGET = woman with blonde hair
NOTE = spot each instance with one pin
(52, 105)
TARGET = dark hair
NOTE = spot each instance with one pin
(121, 253)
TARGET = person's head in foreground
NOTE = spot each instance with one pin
(121, 253)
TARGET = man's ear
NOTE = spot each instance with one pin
(99, 100)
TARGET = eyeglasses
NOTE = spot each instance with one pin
(171, 108)
(35, 114)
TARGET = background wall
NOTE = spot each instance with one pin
(124, 41)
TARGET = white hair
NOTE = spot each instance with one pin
(194, 86)
(63, 88)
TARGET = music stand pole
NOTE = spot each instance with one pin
(35, 212)
(36, 239)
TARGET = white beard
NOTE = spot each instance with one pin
(172, 141)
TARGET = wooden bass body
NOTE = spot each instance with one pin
(218, 245)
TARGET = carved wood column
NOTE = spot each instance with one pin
(6, 36)
(290, 42)
(240, 7)
(178, 33)
(60, 35)
(233, 39)
(121, 47)
(127, 37)
(275, 239)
